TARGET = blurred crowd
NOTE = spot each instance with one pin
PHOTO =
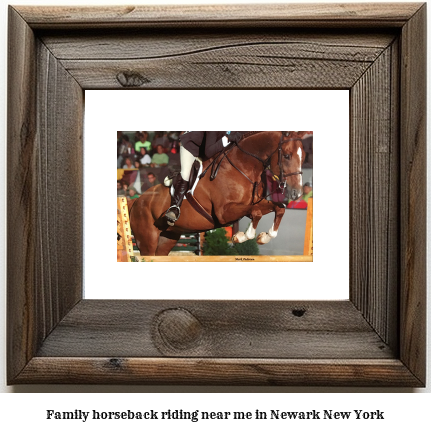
(144, 159)
(145, 148)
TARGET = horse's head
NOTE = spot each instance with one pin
(289, 160)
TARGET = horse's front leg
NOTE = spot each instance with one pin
(256, 216)
(264, 238)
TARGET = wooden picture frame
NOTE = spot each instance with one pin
(376, 338)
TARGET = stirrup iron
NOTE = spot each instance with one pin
(171, 220)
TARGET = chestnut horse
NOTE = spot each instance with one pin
(233, 190)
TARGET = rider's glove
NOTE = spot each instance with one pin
(234, 137)
(225, 141)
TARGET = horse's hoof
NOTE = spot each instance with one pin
(239, 237)
(262, 238)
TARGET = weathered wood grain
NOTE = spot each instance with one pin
(200, 73)
(232, 329)
(299, 15)
(391, 304)
(271, 59)
(159, 44)
(45, 108)
(22, 201)
(228, 69)
(413, 251)
(53, 57)
(134, 371)
(373, 194)
(59, 186)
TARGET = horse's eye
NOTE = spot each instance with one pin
(286, 156)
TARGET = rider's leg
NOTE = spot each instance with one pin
(181, 186)
(187, 160)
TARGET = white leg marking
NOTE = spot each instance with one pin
(264, 238)
(240, 237)
(272, 233)
(251, 232)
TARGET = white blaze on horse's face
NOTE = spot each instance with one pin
(292, 166)
(300, 163)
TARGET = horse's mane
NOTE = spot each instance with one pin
(250, 133)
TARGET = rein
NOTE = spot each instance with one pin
(282, 184)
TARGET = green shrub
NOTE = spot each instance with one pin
(249, 247)
(216, 243)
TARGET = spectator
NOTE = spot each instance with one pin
(302, 203)
(145, 159)
(142, 142)
(160, 158)
(133, 192)
(161, 139)
(307, 192)
(152, 179)
(119, 138)
(149, 182)
(120, 190)
(128, 164)
(124, 150)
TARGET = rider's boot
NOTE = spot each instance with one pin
(173, 213)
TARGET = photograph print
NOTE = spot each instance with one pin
(214, 195)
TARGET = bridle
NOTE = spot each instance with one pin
(282, 184)
(281, 178)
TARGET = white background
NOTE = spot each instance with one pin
(404, 411)
(322, 111)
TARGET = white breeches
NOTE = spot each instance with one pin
(187, 160)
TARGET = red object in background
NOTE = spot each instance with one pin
(228, 232)
(301, 204)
